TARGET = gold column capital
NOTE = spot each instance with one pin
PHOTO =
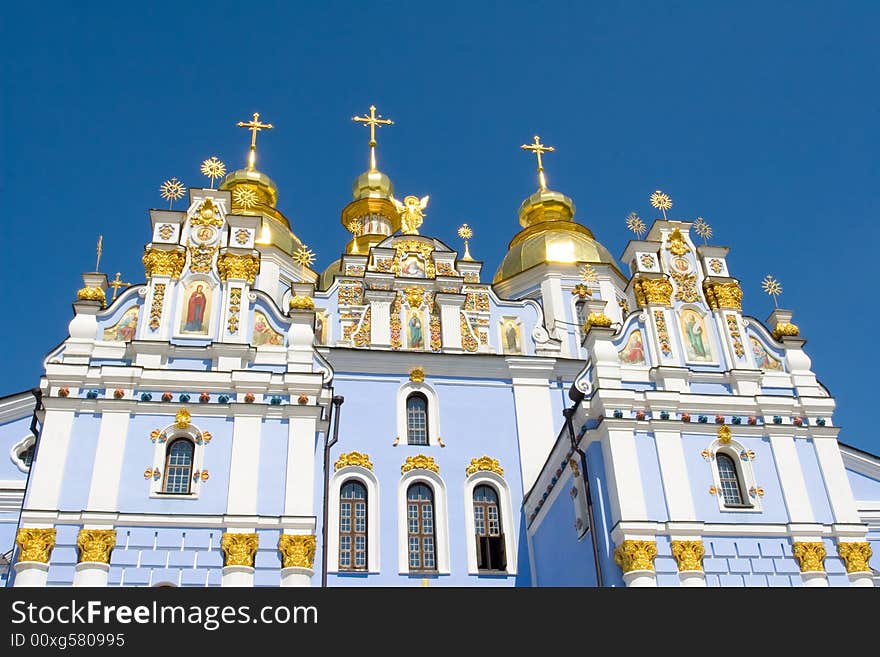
(723, 295)
(855, 555)
(243, 267)
(158, 262)
(297, 550)
(635, 555)
(35, 544)
(653, 291)
(239, 549)
(95, 545)
(688, 555)
(810, 556)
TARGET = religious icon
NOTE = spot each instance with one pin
(195, 308)
(633, 353)
(696, 337)
(264, 333)
(763, 360)
(320, 327)
(510, 331)
(414, 328)
(412, 266)
(124, 329)
(681, 264)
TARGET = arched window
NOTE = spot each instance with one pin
(417, 419)
(420, 528)
(353, 526)
(731, 490)
(178, 467)
(27, 455)
(491, 553)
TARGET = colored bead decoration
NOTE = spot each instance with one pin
(166, 396)
(702, 419)
(146, 396)
(223, 399)
(618, 414)
(753, 420)
(184, 398)
(275, 401)
(736, 419)
(204, 398)
(777, 419)
(664, 415)
(92, 394)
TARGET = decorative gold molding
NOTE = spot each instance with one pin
(855, 555)
(297, 550)
(298, 302)
(35, 544)
(95, 545)
(417, 374)
(243, 267)
(158, 262)
(688, 555)
(182, 418)
(207, 215)
(414, 296)
(596, 319)
(353, 458)
(653, 290)
(785, 328)
(581, 290)
(92, 294)
(484, 463)
(723, 295)
(635, 555)
(724, 434)
(810, 556)
(677, 244)
(239, 549)
(419, 462)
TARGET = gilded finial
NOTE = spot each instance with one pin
(661, 201)
(465, 232)
(372, 120)
(171, 190)
(117, 283)
(254, 126)
(213, 168)
(304, 256)
(635, 224)
(772, 287)
(99, 250)
(703, 229)
(538, 149)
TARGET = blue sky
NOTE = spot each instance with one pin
(760, 117)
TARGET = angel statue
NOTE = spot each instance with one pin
(412, 213)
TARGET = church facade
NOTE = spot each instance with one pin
(401, 419)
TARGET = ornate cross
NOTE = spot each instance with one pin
(373, 120)
(538, 148)
(254, 126)
(100, 250)
(117, 283)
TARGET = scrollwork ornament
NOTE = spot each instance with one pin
(35, 544)
(419, 462)
(688, 555)
(723, 295)
(242, 267)
(357, 459)
(785, 329)
(92, 294)
(484, 463)
(632, 555)
(163, 263)
(297, 550)
(653, 291)
(239, 549)
(95, 545)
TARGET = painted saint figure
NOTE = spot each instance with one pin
(695, 336)
(415, 333)
(511, 338)
(195, 311)
(634, 351)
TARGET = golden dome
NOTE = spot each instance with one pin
(550, 235)
(372, 184)
(327, 275)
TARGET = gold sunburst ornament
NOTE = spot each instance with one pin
(304, 256)
(635, 224)
(772, 287)
(465, 232)
(171, 190)
(661, 201)
(703, 229)
(588, 274)
(213, 168)
(245, 197)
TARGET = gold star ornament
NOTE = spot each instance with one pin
(588, 274)
(661, 201)
(636, 225)
(213, 168)
(772, 287)
(703, 229)
(304, 256)
(245, 197)
(172, 190)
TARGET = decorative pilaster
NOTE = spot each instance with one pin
(636, 560)
(35, 546)
(656, 291)
(689, 557)
(239, 549)
(855, 555)
(159, 262)
(297, 558)
(95, 545)
(723, 295)
(810, 556)
(244, 267)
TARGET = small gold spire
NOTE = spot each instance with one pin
(372, 120)
(99, 250)
(171, 190)
(772, 287)
(465, 232)
(254, 126)
(661, 201)
(117, 283)
(213, 168)
(538, 149)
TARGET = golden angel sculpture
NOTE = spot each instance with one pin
(412, 213)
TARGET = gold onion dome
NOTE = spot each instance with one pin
(550, 235)
(372, 184)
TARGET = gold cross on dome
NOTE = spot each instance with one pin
(254, 126)
(372, 120)
(117, 283)
(538, 149)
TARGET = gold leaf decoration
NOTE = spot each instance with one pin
(419, 462)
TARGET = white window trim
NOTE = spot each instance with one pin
(744, 470)
(441, 519)
(20, 446)
(433, 412)
(160, 450)
(368, 479)
(505, 503)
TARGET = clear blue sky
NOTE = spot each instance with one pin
(760, 116)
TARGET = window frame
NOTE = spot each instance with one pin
(161, 452)
(421, 505)
(745, 476)
(433, 413)
(22, 445)
(190, 468)
(369, 481)
(353, 533)
(509, 522)
(441, 522)
(417, 396)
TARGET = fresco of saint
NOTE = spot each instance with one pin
(414, 326)
(511, 337)
(195, 309)
(696, 338)
(633, 353)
